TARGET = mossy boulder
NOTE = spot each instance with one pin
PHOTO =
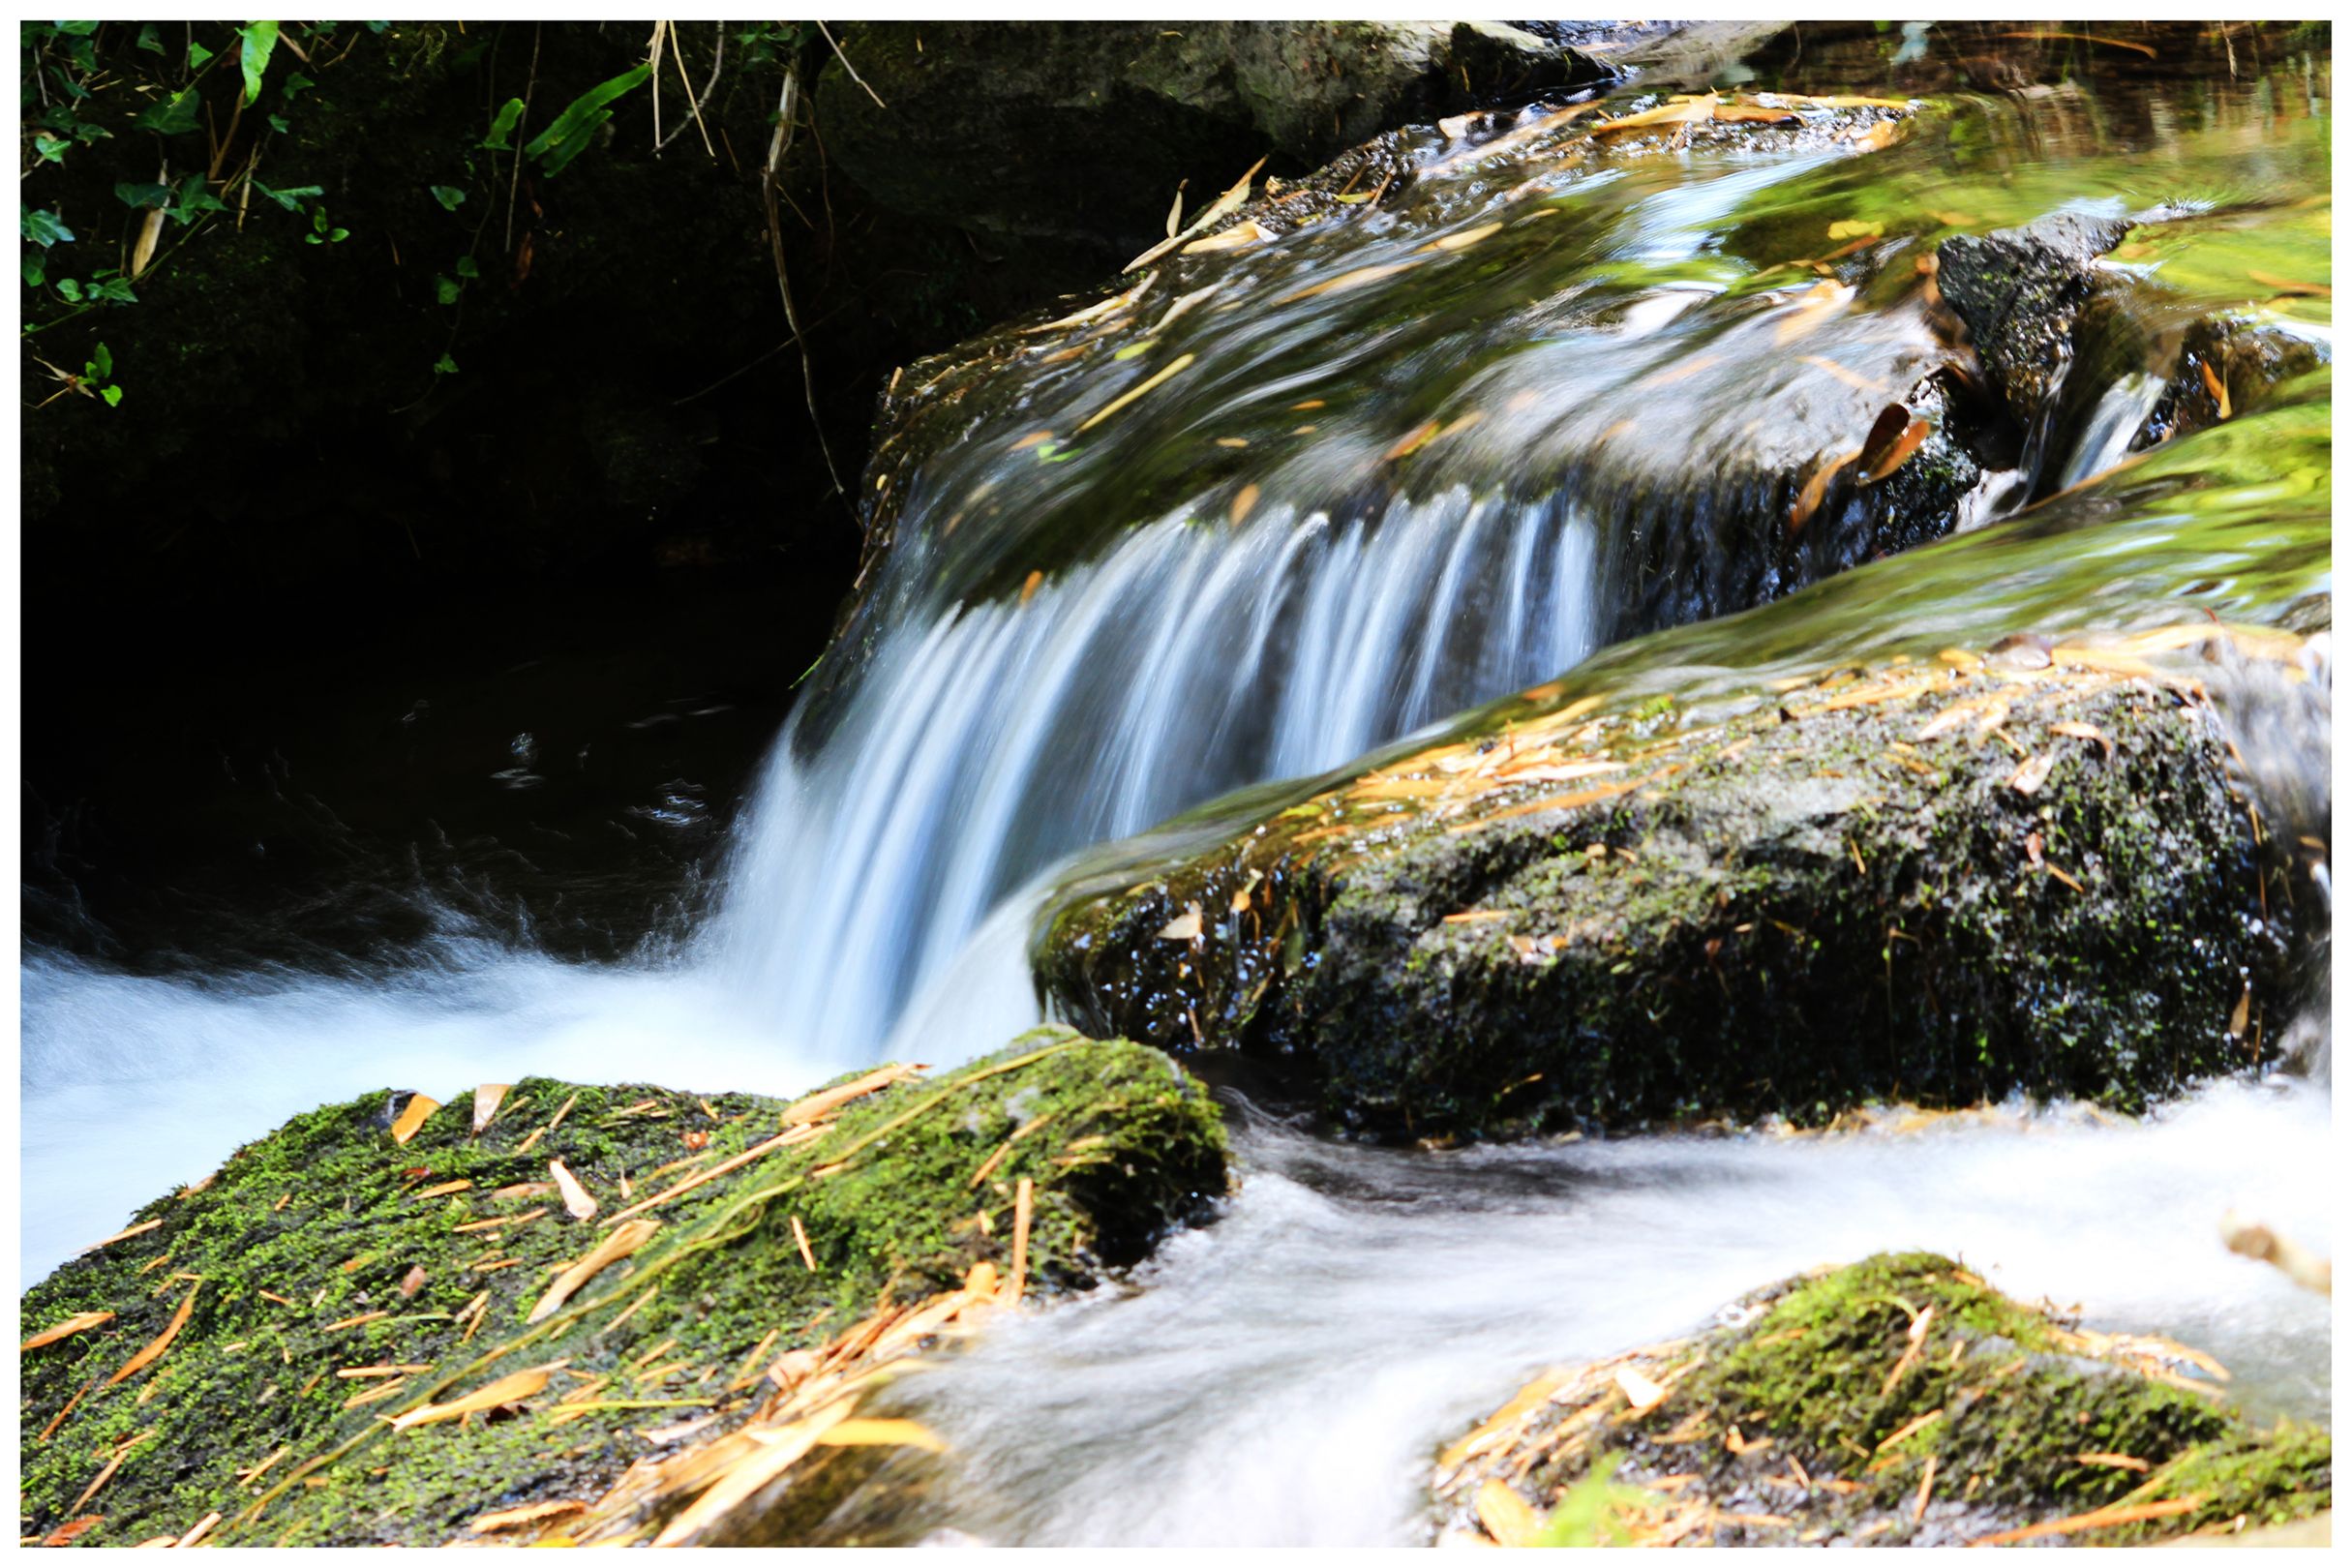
(1897, 1402)
(2019, 290)
(1943, 881)
(328, 1279)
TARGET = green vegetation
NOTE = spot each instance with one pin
(325, 1253)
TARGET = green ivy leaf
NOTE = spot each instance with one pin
(465, 268)
(78, 29)
(569, 132)
(446, 290)
(102, 363)
(294, 84)
(141, 194)
(448, 196)
(150, 39)
(502, 128)
(197, 54)
(113, 396)
(171, 116)
(276, 123)
(69, 288)
(444, 366)
(260, 39)
(291, 197)
(336, 236)
(53, 149)
(43, 228)
(36, 267)
(117, 289)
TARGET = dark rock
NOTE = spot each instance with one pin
(1850, 891)
(2019, 290)
(1081, 131)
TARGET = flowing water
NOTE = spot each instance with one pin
(1281, 505)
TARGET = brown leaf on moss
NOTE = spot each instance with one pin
(71, 1326)
(510, 1389)
(487, 1097)
(162, 1341)
(412, 1116)
(578, 1201)
(628, 1239)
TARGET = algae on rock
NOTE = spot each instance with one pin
(329, 1280)
(1900, 1402)
(1946, 881)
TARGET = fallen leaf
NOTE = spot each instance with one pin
(487, 1097)
(67, 1532)
(1642, 1393)
(1465, 239)
(1879, 137)
(628, 1238)
(125, 1234)
(510, 1389)
(1905, 444)
(1185, 927)
(1682, 112)
(1856, 228)
(1506, 1516)
(1121, 401)
(2032, 772)
(1347, 281)
(444, 1189)
(2084, 732)
(880, 1433)
(825, 1101)
(2215, 384)
(1029, 585)
(578, 1201)
(2238, 1014)
(2291, 285)
(162, 1341)
(412, 1116)
(509, 1519)
(1816, 489)
(65, 1330)
(1814, 306)
(1244, 500)
(2096, 1518)
(1753, 112)
(2086, 38)
(1248, 232)
(2115, 1462)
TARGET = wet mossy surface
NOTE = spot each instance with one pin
(1899, 1401)
(1606, 914)
(297, 1252)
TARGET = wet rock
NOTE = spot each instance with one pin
(2228, 363)
(1083, 130)
(273, 1297)
(2019, 290)
(1943, 883)
(1897, 1402)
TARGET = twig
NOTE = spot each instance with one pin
(718, 53)
(850, 68)
(787, 104)
(514, 180)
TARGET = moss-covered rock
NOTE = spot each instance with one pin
(328, 1278)
(1899, 1401)
(2019, 290)
(1945, 881)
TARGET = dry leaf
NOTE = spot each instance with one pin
(779, 1451)
(509, 1519)
(510, 1389)
(878, 1434)
(2032, 772)
(1465, 239)
(2216, 386)
(1506, 1516)
(2084, 732)
(162, 1341)
(485, 1099)
(65, 1330)
(1250, 231)
(1898, 454)
(1244, 500)
(1113, 407)
(444, 1189)
(1681, 112)
(1809, 499)
(2238, 1013)
(125, 1234)
(1185, 927)
(1346, 280)
(578, 1202)
(67, 1532)
(1879, 137)
(2289, 285)
(412, 1116)
(1814, 306)
(150, 230)
(1029, 585)
(628, 1239)
(1756, 112)
(1642, 1393)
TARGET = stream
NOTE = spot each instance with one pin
(1508, 449)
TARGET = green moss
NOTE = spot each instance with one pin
(322, 1222)
(1905, 1376)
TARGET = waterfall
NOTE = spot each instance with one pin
(1002, 735)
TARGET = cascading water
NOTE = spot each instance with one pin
(1283, 501)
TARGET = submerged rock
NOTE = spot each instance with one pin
(1897, 1402)
(253, 1351)
(2028, 870)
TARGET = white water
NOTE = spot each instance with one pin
(1285, 1375)
(1001, 737)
